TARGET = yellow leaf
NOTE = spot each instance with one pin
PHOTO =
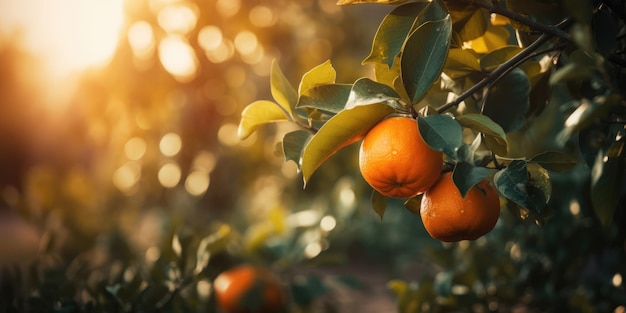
(259, 113)
(345, 2)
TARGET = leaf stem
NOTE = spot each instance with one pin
(550, 29)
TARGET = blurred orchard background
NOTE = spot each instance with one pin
(124, 186)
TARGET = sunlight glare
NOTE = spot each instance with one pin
(69, 35)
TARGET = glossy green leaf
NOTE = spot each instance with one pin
(607, 177)
(366, 91)
(282, 91)
(555, 161)
(493, 59)
(495, 138)
(259, 113)
(323, 74)
(461, 62)
(328, 98)
(441, 132)
(512, 181)
(379, 203)
(424, 56)
(466, 175)
(293, 144)
(392, 33)
(341, 130)
(508, 101)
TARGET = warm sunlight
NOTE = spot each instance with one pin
(69, 35)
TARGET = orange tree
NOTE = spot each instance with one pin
(525, 94)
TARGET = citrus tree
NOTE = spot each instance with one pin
(514, 96)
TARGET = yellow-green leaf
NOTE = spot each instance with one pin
(493, 59)
(346, 2)
(322, 74)
(259, 113)
(282, 91)
(461, 62)
(343, 129)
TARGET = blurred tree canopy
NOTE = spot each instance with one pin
(136, 193)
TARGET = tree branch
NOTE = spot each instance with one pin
(543, 28)
(497, 73)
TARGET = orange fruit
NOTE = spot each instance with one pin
(248, 289)
(449, 217)
(395, 160)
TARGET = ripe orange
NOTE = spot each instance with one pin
(395, 160)
(248, 289)
(449, 217)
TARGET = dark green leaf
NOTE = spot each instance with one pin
(341, 130)
(423, 57)
(466, 175)
(512, 181)
(607, 177)
(441, 132)
(392, 33)
(366, 91)
(293, 144)
(379, 203)
(555, 161)
(328, 98)
(507, 103)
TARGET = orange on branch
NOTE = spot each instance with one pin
(395, 160)
(449, 217)
(248, 289)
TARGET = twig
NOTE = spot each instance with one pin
(498, 72)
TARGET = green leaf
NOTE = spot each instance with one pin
(379, 203)
(366, 91)
(466, 175)
(539, 178)
(341, 130)
(392, 33)
(323, 74)
(257, 114)
(414, 204)
(293, 144)
(328, 98)
(512, 184)
(508, 101)
(607, 177)
(282, 90)
(555, 161)
(495, 137)
(424, 56)
(441, 132)
(469, 21)
(461, 62)
(493, 59)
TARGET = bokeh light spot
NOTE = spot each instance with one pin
(312, 249)
(135, 148)
(617, 280)
(262, 16)
(141, 40)
(178, 58)
(210, 37)
(228, 8)
(170, 144)
(227, 135)
(127, 176)
(197, 183)
(328, 223)
(246, 42)
(169, 175)
(204, 161)
(180, 19)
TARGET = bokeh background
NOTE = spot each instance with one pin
(119, 153)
